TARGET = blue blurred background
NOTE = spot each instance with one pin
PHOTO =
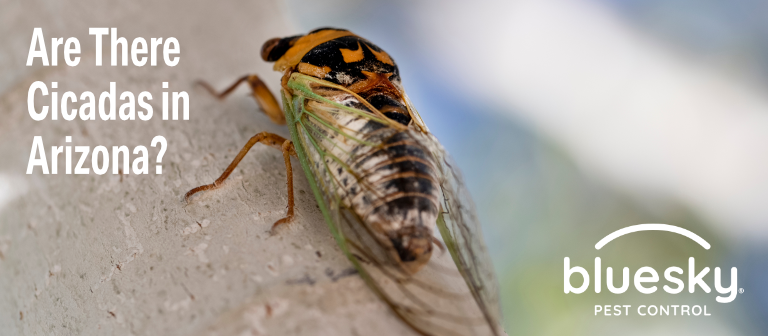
(572, 119)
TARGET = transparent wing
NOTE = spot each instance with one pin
(453, 294)
(461, 232)
(460, 229)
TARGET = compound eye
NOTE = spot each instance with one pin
(275, 48)
(267, 48)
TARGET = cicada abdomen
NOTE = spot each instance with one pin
(382, 173)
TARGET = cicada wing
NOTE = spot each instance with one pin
(434, 301)
(461, 232)
(327, 134)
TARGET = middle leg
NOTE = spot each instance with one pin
(269, 139)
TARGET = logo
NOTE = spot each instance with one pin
(647, 279)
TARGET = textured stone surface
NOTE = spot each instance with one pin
(122, 255)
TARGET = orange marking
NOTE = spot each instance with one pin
(304, 44)
(373, 80)
(314, 70)
(365, 84)
(382, 56)
(351, 56)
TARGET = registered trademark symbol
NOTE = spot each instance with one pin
(741, 290)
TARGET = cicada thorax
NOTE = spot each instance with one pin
(381, 172)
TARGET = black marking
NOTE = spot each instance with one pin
(411, 184)
(400, 207)
(398, 117)
(394, 109)
(343, 73)
(393, 152)
(407, 166)
(406, 147)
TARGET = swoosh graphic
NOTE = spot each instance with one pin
(652, 227)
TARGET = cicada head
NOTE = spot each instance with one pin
(341, 57)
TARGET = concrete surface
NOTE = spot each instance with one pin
(123, 255)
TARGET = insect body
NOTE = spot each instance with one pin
(382, 181)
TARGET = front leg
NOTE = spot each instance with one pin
(260, 92)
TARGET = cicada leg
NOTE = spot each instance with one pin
(260, 92)
(288, 150)
(269, 139)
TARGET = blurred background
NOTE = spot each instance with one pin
(572, 119)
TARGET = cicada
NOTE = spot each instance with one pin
(383, 182)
